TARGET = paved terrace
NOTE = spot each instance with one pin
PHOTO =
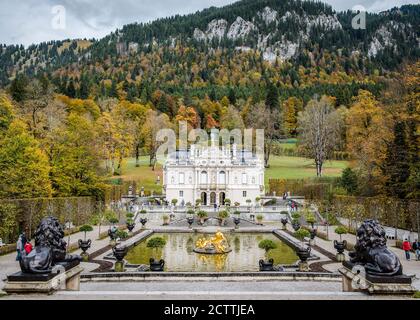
(256, 289)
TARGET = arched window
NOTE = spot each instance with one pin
(222, 177)
(203, 177)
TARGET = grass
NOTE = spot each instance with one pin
(143, 175)
(416, 295)
(281, 167)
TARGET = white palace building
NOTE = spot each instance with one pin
(213, 174)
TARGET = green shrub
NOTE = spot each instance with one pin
(129, 215)
(113, 220)
(122, 234)
(236, 212)
(223, 214)
(201, 214)
(86, 228)
(310, 218)
(340, 231)
(191, 212)
(260, 217)
(267, 245)
(296, 216)
(416, 295)
(301, 234)
(174, 201)
(143, 211)
(156, 243)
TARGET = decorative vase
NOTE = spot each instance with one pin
(296, 226)
(130, 226)
(340, 245)
(284, 222)
(303, 254)
(84, 245)
(156, 265)
(236, 221)
(120, 252)
(266, 265)
(143, 221)
(190, 221)
(313, 233)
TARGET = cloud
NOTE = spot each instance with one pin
(30, 21)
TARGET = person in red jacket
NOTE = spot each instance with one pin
(28, 247)
(407, 248)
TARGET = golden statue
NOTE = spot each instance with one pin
(215, 245)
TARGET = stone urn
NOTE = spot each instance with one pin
(266, 265)
(143, 222)
(84, 245)
(284, 222)
(112, 234)
(236, 221)
(190, 221)
(313, 233)
(303, 253)
(131, 226)
(119, 254)
(340, 246)
(296, 226)
(156, 265)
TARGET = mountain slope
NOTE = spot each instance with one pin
(298, 45)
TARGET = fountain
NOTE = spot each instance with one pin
(215, 245)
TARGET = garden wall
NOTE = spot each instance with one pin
(17, 215)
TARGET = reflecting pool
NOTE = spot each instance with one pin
(179, 255)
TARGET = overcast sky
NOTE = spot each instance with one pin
(32, 21)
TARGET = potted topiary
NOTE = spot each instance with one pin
(303, 252)
(340, 245)
(236, 219)
(197, 203)
(202, 215)
(156, 263)
(310, 218)
(257, 200)
(284, 219)
(267, 264)
(295, 221)
(143, 219)
(228, 202)
(237, 204)
(121, 235)
(84, 244)
(260, 218)
(130, 222)
(166, 219)
(222, 216)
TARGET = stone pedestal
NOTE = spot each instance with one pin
(356, 281)
(67, 279)
(303, 266)
(85, 256)
(311, 242)
(340, 257)
(119, 266)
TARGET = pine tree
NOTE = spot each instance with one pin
(397, 169)
(272, 98)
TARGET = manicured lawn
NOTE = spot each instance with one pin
(143, 174)
(281, 167)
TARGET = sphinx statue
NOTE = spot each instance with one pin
(372, 253)
(50, 249)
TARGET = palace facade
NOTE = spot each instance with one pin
(213, 174)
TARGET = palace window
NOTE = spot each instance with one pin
(181, 194)
(222, 177)
(181, 178)
(203, 177)
(244, 194)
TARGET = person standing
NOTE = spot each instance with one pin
(407, 248)
(416, 247)
(20, 246)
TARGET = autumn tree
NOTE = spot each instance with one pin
(24, 167)
(319, 128)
